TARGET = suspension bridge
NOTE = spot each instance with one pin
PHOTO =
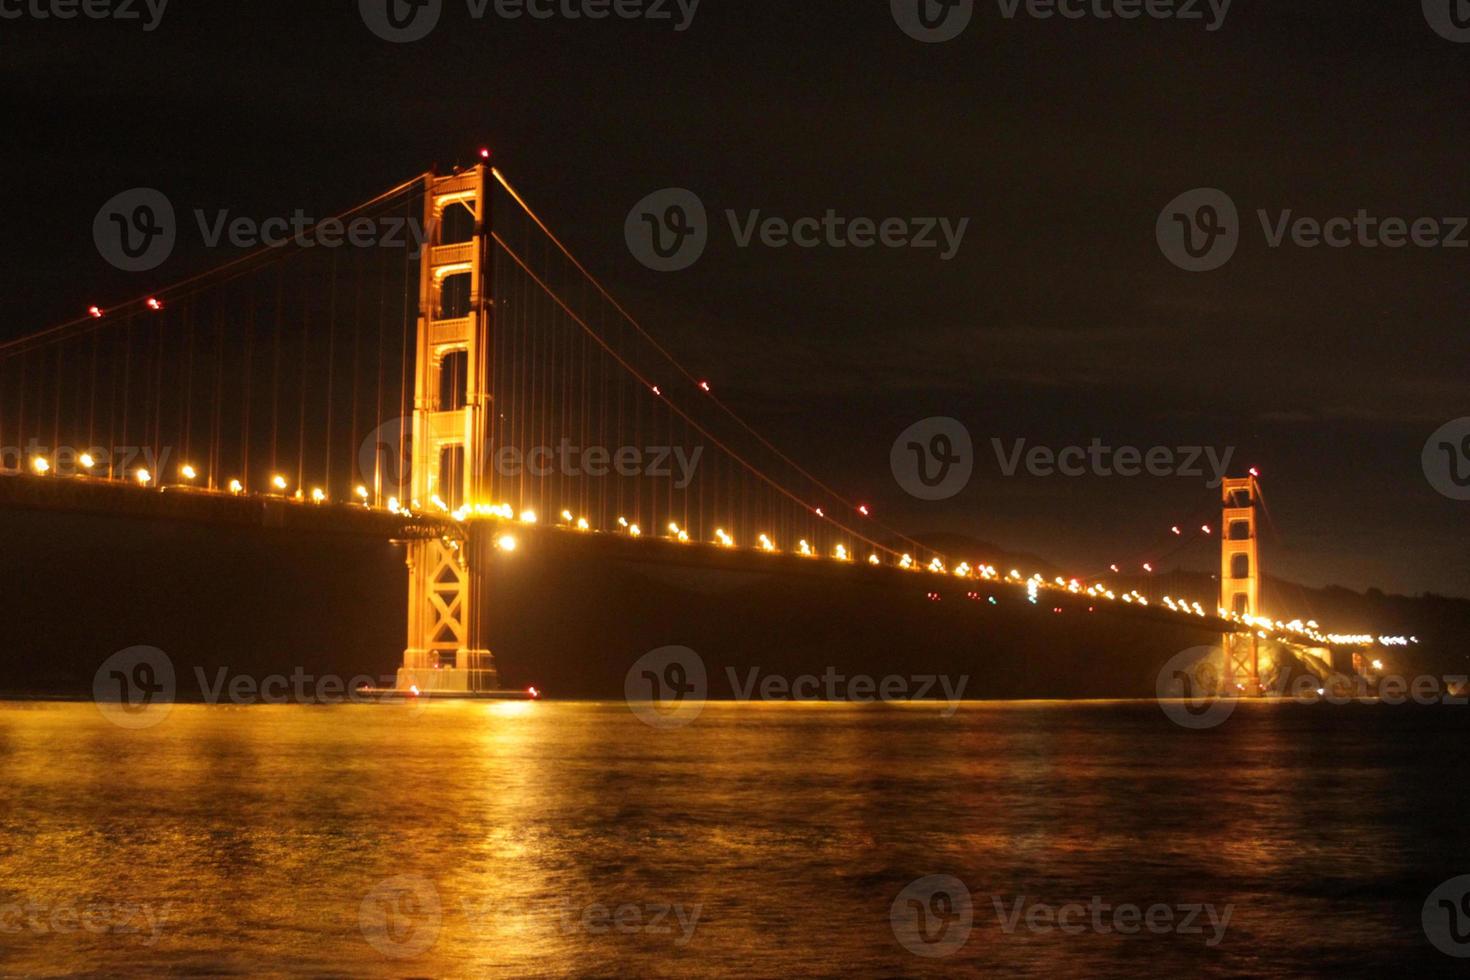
(482, 394)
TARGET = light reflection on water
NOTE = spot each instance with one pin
(519, 839)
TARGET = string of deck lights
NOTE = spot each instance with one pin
(1034, 584)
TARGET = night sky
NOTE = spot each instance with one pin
(1058, 321)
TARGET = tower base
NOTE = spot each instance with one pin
(473, 672)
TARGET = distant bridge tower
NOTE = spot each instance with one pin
(1240, 582)
(451, 415)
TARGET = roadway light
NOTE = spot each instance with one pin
(528, 517)
(188, 472)
(362, 493)
(318, 495)
(279, 482)
(41, 465)
(87, 461)
(506, 542)
(236, 487)
(143, 477)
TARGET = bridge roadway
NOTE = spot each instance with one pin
(115, 498)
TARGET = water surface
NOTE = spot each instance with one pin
(555, 839)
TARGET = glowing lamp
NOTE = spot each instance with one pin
(41, 465)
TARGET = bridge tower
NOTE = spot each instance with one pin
(452, 407)
(1240, 582)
